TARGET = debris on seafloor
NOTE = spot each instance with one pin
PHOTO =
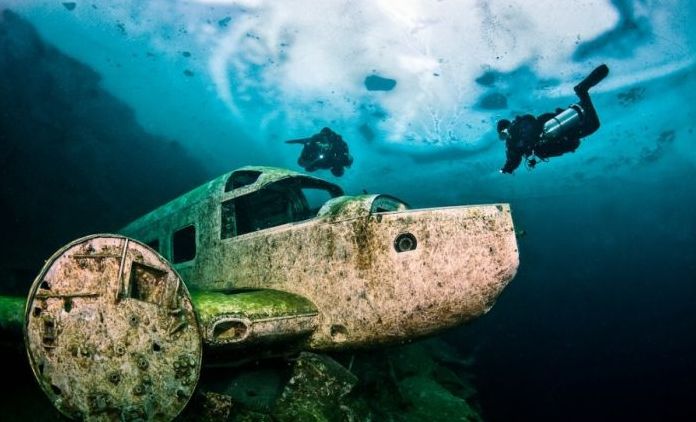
(433, 383)
(403, 384)
(208, 406)
(316, 390)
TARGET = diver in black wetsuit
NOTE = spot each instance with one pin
(325, 150)
(551, 134)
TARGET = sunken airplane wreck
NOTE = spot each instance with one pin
(276, 262)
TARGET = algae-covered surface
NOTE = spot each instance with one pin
(252, 304)
(11, 313)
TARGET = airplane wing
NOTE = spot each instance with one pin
(11, 315)
(252, 317)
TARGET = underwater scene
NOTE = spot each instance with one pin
(304, 210)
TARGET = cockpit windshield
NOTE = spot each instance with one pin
(286, 201)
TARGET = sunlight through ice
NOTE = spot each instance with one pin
(279, 62)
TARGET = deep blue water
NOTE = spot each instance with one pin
(598, 324)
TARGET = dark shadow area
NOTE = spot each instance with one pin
(21, 398)
(598, 324)
(73, 158)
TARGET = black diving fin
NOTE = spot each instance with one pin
(592, 79)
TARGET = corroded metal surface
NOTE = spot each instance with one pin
(376, 272)
(111, 333)
(366, 291)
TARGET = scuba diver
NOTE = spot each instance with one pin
(324, 150)
(551, 134)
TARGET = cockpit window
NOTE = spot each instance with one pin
(287, 201)
(241, 178)
(263, 209)
(386, 203)
(315, 198)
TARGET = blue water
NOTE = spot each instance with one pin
(598, 323)
(111, 108)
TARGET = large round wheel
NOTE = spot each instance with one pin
(111, 333)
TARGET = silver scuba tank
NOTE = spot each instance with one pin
(562, 123)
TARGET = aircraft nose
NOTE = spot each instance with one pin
(449, 264)
(411, 273)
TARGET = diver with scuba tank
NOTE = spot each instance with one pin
(324, 150)
(551, 134)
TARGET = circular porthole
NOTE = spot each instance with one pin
(405, 242)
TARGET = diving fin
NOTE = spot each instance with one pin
(592, 79)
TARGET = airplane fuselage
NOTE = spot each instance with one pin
(375, 271)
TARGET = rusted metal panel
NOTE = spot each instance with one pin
(111, 333)
(366, 291)
(374, 276)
